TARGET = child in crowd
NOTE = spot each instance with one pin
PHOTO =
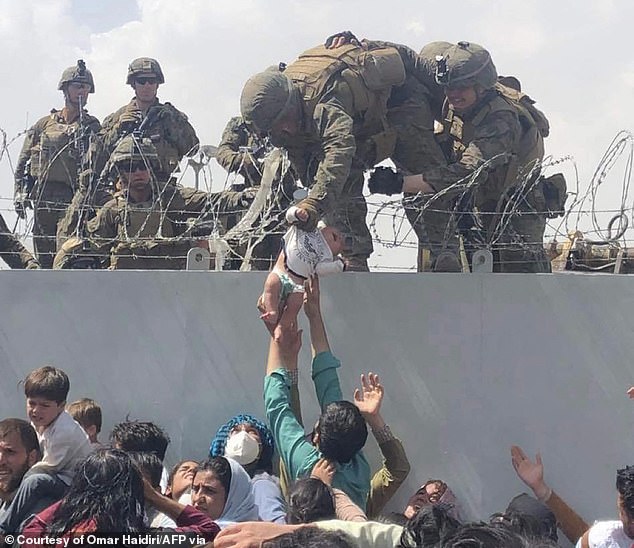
(88, 414)
(63, 444)
(304, 255)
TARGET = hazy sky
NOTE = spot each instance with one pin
(573, 58)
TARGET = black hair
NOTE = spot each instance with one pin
(108, 490)
(149, 465)
(342, 431)
(625, 487)
(310, 499)
(310, 537)
(47, 382)
(144, 437)
(483, 535)
(429, 527)
(220, 468)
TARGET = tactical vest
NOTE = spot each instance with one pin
(142, 221)
(370, 75)
(528, 148)
(54, 156)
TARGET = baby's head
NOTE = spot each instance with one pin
(333, 238)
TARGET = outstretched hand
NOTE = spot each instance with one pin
(368, 399)
(324, 470)
(531, 473)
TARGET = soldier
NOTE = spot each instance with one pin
(51, 159)
(12, 250)
(485, 122)
(338, 112)
(240, 151)
(168, 128)
(144, 226)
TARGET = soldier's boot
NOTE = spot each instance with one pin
(357, 263)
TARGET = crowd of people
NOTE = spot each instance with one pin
(466, 142)
(263, 482)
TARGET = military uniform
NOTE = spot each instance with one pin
(51, 155)
(351, 118)
(12, 250)
(238, 152)
(150, 235)
(170, 131)
(504, 126)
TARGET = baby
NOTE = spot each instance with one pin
(305, 254)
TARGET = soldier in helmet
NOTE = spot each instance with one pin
(242, 152)
(145, 224)
(47, 171)
(485, 123)
(338, 112)
(170, 131)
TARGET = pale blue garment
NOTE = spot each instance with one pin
(240, 504)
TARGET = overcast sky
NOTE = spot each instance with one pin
(573, 58)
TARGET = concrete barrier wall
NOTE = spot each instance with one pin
(471, 364)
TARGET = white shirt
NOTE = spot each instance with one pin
(63, 444)
(607, 534)
(308, 253)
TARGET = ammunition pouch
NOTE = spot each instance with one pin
(555, 195)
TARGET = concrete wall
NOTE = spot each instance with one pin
(471, 364)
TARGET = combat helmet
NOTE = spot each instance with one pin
(132, 148)
(265, 98)
(466, 64)
(144, 65)
(431, 51)
(77, 73)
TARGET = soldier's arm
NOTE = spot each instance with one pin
(102, 229)
(492, 139)
(335, 128)
(233, 137)
(32, 136)
(180, 133)
(12, 250)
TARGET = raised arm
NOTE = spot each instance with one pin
(396, 467)
(532, 474)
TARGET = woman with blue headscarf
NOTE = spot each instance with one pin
(248, 440)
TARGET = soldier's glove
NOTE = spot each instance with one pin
(310, 207)
(384, 180)
(130, 120)
(33, 265)
(21, 203)
(340, 39)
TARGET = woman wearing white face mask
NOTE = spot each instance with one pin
(249, 441)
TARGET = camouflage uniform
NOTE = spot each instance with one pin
(51, 155)
(12, 251)
(167, 127)
(498, 125)
(345, 127)
(237, 152)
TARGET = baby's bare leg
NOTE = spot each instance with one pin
(269, 301)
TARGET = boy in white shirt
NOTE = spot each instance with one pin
(63, 443)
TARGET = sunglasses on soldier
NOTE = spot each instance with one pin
(142, 80)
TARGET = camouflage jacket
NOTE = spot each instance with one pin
(234, 137)
(52, 148)
(490, 129)
(12, 250)
(154, 234)
(170, 131)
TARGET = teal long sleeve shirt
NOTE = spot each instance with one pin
(297, 453)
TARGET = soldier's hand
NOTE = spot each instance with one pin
(384, 180)
(130, 120)
(21, 203)
(307, 214)
(341, 39)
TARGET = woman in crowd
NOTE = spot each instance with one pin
(249, 441)
(222, 490)
(108, 495)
